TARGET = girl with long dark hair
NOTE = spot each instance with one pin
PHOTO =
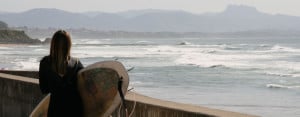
(58, 76)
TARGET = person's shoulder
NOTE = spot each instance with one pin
(76, 62)
(74, 59)
(45, 59)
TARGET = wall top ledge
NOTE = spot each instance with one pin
(20, 78)
(132, 96)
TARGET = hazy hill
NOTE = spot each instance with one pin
(3, 25)
(234, 18)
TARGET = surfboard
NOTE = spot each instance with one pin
(98, 86)
(41, 109)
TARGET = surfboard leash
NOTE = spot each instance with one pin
(133, 108)
(120, 82)
(120, 91)
(123, 99)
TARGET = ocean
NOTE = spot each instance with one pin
(254, 75)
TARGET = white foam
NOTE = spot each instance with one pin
(267, 62)
(230, 47)
(284, 68)
(93, 42)
(5, 48)
(41, 50)
(89, 41)
(278, 48)
(137, 83)
(234, 60)
(30, 64)
(167, 49)
(35, 46)
(282, 86)
(109, 51)
(279, 74)
(143, 42)
(264, 45)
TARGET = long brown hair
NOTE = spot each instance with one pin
(60, 51)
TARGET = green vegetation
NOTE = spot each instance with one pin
(3, 25)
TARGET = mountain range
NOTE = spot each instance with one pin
(234, 18)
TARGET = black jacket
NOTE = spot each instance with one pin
(65, 100)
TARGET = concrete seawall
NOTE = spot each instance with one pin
(20, 93)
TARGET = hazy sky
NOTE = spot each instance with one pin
(289, 7)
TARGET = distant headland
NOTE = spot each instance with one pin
(16, 37)
(9, 36)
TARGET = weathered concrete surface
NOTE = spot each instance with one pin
(151, 107)
(19, 95)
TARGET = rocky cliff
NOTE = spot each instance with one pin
(16, 37)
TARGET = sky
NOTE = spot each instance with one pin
(287, 7)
